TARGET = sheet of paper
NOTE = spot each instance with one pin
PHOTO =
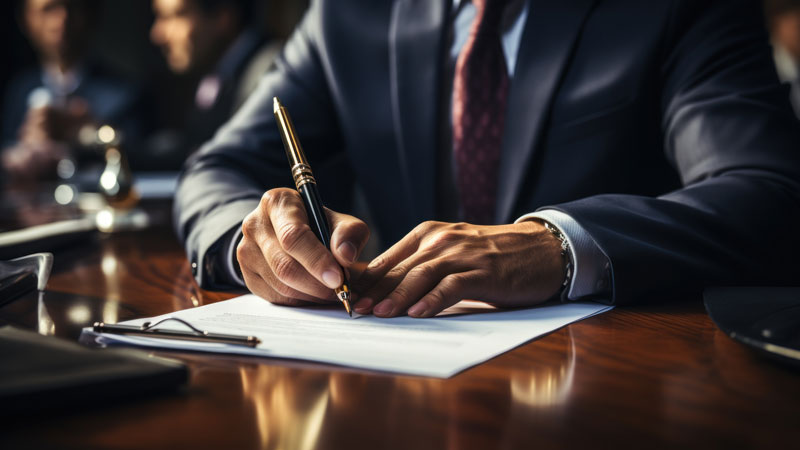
(463, 336)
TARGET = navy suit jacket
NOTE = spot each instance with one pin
(659, 126)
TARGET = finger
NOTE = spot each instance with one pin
(294, 235)
(349, 235)
(285, 271)
(419, 263)
(419, 280)
(450, 290)
(261, 288)
(277, 269)
(380, 266)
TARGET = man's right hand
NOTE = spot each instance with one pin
(284, 262)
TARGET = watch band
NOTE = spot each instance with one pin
(565, 252)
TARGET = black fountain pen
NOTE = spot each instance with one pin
(307, 187)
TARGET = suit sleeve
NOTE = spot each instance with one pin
(225, 179)
(731, 134)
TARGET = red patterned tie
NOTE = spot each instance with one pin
(480, 92)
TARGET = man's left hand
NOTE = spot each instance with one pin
(438, 264)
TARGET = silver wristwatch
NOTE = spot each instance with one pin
(565, 252)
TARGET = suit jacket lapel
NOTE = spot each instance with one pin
(545, 49)
(416, 39)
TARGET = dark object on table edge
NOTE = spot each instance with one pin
(766, 319)
(42, 374)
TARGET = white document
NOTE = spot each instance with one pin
(462, 336)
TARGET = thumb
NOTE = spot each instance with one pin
(349, 235)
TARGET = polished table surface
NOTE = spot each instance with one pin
(652, 376)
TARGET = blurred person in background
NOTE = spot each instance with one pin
(783, 19)
(46, 107)
(211, 41)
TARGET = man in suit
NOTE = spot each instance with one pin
(210, 41)
(652, 137)
(45, 108)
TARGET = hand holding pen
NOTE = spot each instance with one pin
(281, 255)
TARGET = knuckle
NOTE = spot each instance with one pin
(291, 235)
(359, 229)
(444, 239)
(421, 230)
(274, 197)
(424, 271)
(241, 251)
(402, 293)
(267, 199)
(453, 282)
(426, 227)
(285, 268)
(397, 272)
(250, 225)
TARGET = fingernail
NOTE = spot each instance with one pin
(418, 310)
(347, 250)
(384, 308)
(332, 279)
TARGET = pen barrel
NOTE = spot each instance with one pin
(317, 219)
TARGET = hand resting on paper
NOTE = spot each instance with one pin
(282, 260)
(433, 267)
(438, 264)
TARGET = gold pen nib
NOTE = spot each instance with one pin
(276, 105)
(343, 293)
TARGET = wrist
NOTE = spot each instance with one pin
(552, 260)
(566, 255)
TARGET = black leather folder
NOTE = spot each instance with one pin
(40, 374)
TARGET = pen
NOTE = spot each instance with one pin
(307, 187)
(148, 329)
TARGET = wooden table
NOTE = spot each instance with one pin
(641, 377)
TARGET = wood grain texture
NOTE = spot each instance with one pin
(657, 376)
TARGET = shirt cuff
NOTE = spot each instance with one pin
(592, 275)
(229, 256)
